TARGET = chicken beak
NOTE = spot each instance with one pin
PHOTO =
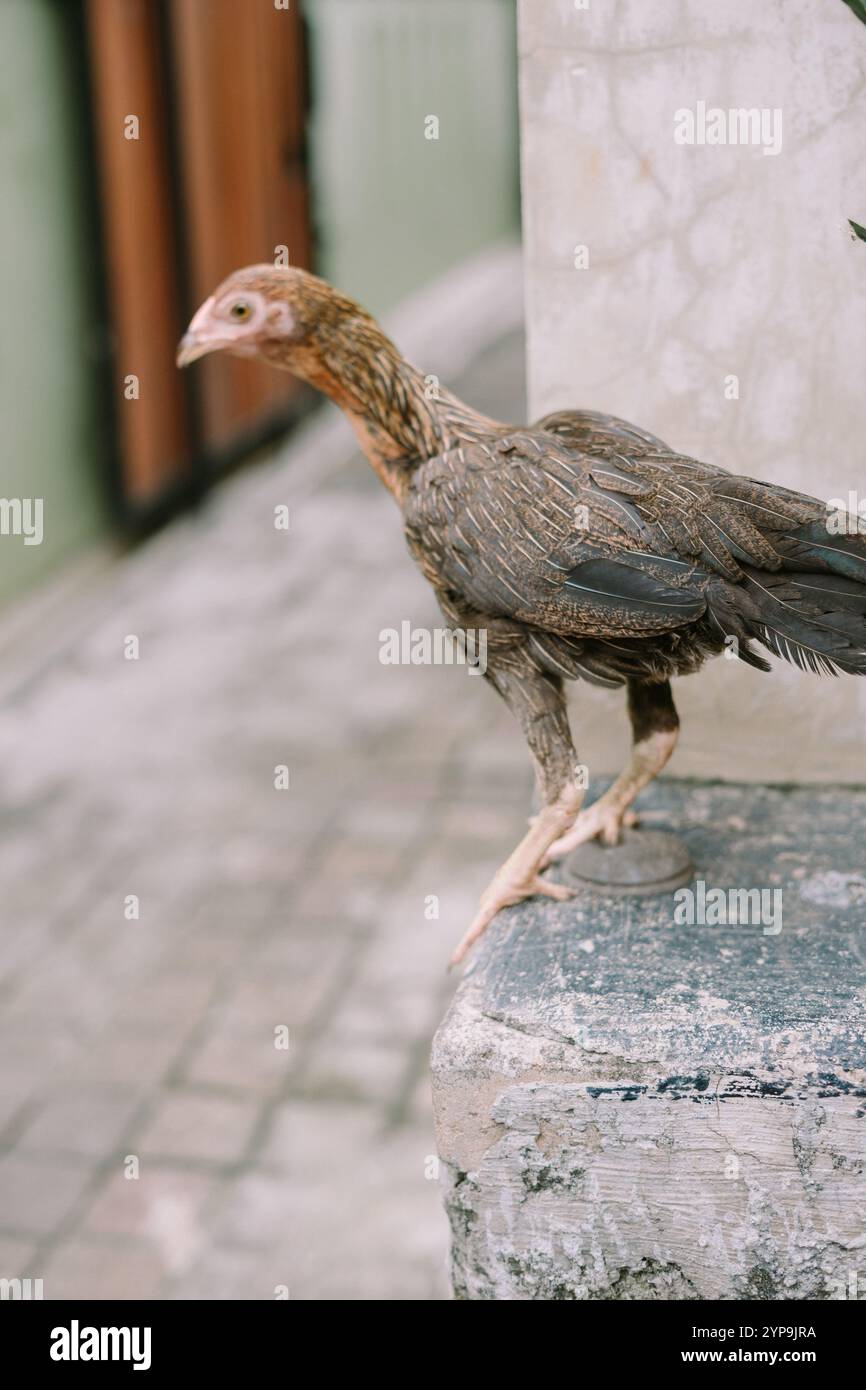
(199, 337)
(190, 348)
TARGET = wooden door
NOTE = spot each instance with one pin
(241, 108)
(199, 113)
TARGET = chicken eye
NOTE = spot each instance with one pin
(240, 309)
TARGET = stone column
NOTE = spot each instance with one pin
(714, 293)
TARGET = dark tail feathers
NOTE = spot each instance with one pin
(815, 620)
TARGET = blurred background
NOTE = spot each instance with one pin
(169, 917)
(149, 148)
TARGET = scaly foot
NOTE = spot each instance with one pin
(519, 877)
(504, 891)
(603, 820)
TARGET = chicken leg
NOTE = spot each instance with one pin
(538, 701)
(655, 727)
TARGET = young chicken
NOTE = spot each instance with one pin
(583, 546)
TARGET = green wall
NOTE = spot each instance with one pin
(393, 209)
(52, 436)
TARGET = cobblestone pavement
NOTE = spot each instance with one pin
(156, 1140)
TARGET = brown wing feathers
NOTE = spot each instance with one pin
(624, 559)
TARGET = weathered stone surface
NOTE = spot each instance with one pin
(629, 1106)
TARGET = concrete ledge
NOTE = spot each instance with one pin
(629, 1106)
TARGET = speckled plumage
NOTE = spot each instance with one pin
(584, 547)
(618, 557)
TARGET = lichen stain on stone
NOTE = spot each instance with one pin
(759, 1284)
(650, 1280)
(843, 1164)
(535, 1275)
(461, 1197)
(550, 1179)
(832, 1085)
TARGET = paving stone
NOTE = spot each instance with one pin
(136, 1057)
(345, 1069)
(320, 952)
(215, 950)
(370, 1010)
(174, 996)
(15, 1093)
(104, 1270)
(377, 1204)
(313, 1136)
(86, 1121)
(254, 1216)
(226, 1272)
(36, 1193)
(164, 1205)
(16, 1258)
(290, 997)
(213, 1129)
(476, 824)
(244, 1061)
